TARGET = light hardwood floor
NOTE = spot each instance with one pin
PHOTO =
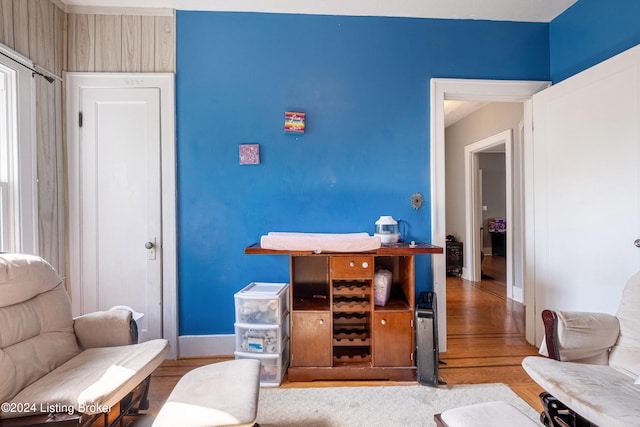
(485, 336)
(485, 344)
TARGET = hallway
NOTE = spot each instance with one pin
(485, 337)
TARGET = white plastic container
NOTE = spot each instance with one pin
(261, 339)
(272, 366)
(387, 230)
(262, 303)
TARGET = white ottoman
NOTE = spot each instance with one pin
(220, 394)
(490, 414)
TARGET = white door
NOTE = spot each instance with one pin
(586, 187)
(119, 203)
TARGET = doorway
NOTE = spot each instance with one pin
(492, 196)
(121, 162)
(482, 90)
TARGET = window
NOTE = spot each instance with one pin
(18, 203)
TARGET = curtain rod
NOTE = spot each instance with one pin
(47, 78)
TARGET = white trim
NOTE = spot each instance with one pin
(16, 56)
(5, 229)
(206, 345)
(23, 198)
(165, 82)
(528, 231)
(473, 216)
(482, 90)
(107, 10)
(493, 10)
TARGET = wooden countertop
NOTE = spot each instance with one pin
(397, 249)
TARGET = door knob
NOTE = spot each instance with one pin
(148, 245)
(637, 243)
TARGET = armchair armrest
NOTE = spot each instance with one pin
(105, 329)
(580, 336)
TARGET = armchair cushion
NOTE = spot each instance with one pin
(626, 353)
(37, 333)
(97, 378)
(104, 329)
(605, 396)
(23, 277)
(585, 337)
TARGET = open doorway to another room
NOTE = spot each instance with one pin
(483, 197)
(493, 209)
(483, 176)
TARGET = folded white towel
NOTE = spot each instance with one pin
(320, 242)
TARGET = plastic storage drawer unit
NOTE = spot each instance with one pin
(262, 303)
(272, 366)
(261, 339)
(262, 328)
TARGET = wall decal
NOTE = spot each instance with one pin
(249, 154)
(294, 122)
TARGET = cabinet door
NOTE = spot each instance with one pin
(393, 338)
(310, 338)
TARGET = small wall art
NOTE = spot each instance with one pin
(249, 154)
(294, 122)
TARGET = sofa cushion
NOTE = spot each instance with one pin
(36, 337)
(97, 378)
(625, 355)
(24, 276)
(601, 394)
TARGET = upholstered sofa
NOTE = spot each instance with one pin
(58, 369)
(592, 374)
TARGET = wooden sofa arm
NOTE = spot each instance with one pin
(105, 329)
(549, 319)
(580, 336)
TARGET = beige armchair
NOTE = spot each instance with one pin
(593, 365)
(63, 371)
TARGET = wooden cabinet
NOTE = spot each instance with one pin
(337, 332)
(310, 343)
(393, 338)
(454, 258)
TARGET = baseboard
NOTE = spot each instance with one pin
(206, 345)
(518, 294)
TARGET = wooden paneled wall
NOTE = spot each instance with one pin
(36, 30)
(121, 43)
(57, 42)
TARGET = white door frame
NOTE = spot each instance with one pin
(165, 82)
(487, 90)
(473, 217)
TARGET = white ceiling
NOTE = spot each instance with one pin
(495, 10)
(455, 111)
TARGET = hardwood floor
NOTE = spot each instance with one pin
(485, 337)
(485, 343)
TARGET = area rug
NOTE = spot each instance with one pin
(384, 406)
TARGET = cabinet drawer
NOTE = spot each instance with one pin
(347, 267)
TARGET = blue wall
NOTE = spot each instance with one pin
(590, 32)
(363, 83)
